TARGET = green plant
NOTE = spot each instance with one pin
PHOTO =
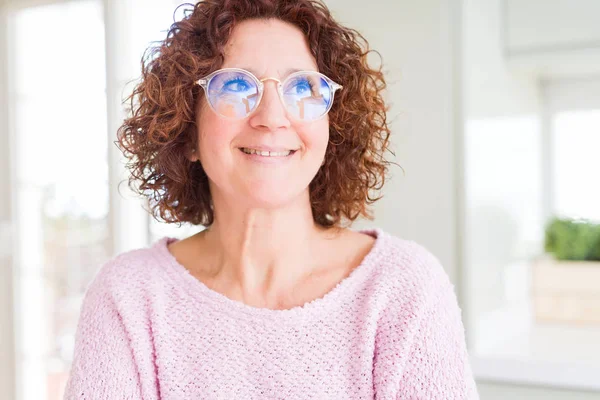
(573, 239)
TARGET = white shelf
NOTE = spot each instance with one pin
(548, 355)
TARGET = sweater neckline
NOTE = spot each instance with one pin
(200, 292)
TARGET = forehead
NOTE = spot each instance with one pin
(268, 46)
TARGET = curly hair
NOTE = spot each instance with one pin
(161, 123)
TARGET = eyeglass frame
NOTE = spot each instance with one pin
(205, 81)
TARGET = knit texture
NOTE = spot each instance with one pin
(390, 330)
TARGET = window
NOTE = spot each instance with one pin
(520, 171)
(576, 137)
(61, 183)
(69, 215)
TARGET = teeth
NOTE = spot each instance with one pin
(267, 153)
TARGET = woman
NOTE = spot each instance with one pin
(262, 121)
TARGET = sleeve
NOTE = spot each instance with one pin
(103, 365)
(438, 365)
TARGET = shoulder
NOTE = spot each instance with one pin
(414, 283)
(410, 268)
(419, 331)
(409, 282)
(129, 273)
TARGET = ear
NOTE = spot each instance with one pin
(192, 155)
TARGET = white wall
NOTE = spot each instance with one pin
(499, 111)
(490, 88)
(534, 25)
(415, 39)
(6, 295)
(4, 154)
(553, 39)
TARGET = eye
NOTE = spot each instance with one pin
(236, 85)
(302, 86)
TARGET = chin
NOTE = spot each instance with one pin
(268, 202)
(271, 198)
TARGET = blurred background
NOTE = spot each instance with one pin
(495, 110)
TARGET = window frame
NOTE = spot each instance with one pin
(559, 95)
(128, 222)
(556, 95)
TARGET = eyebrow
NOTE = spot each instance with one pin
(287, 72)
(293, 70)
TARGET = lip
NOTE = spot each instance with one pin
(268, 148)
(266, 159)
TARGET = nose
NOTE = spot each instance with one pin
(270, 114)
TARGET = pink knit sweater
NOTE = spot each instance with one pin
(391, 330)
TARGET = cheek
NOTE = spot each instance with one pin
(315, 137)
(214, 134)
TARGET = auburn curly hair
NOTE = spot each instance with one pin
(161, 125)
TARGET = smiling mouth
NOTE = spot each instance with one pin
(267, 153)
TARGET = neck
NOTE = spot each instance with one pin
(263, 253)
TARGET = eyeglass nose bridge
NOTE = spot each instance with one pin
(277, 81)
(262, 90)
(270, 79)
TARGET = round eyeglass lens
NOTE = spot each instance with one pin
(233, 94)
(307, 96)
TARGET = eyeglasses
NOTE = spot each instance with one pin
(235, 93)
